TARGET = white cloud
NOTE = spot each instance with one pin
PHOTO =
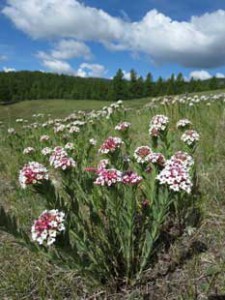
(6, 69)
(220, 75)
(203, 75)
(126, 75)
(198, 42)
(67, 49)
(67, 18)
(84, 70)
(58, 66)
(91, 70)
(200, 74)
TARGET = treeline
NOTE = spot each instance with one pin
(27, 85)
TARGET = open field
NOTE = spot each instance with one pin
(26, 109)
(191, 264)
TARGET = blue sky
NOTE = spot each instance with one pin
(95, 38)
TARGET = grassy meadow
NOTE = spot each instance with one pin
(187, 261)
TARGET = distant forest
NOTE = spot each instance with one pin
(27, 85)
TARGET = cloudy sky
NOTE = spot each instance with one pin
(96, 37)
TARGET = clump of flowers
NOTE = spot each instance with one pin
(183, 123)
(157, 158)
(69, 146)
(130, 177)
(59, 128)
(44, 138)
(142, 154)
(123, 126)
(190, 137)
(46, 151)
(108, 177)
(32, 173)
(28, 150)
(49, 224)
(60, 159)
(158, 125)
(92, 141)
(74, 129)
(11, 131)
(110, 145)
(184, 158)
(176, 176)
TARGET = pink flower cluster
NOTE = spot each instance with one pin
(110, 145)
(32, 173)
(123, 126)
(142, 154)
(60, 159)
(157, 158)
(158, 124)
(190, 137)
(176, 176)
(183, 158)
(108, 177)
(130, 177)
(47, 226)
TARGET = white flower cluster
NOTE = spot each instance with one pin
(59, 128)
(93, 141)
(183, 123)
(28, 150)
(123, 126)
(158, 124)
(32, 173)
(142, 154)
(190, 137)
(74, 129)
(46, 151)
(11, 131)
(176, 176)
(69, 146)
(47, 226)
(60, 159)
(44, 138)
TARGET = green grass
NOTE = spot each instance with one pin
(61, 108)
(28, 276)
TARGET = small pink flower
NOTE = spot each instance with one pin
(32, 173)
(184, 158)
(190, 137)
(176, 176)
(110, 145)
(142, 154)
(158, 124)
(60, 160)
(130, 177)
(123, 126)
(48, 226)
(108, 177)
(157, 158)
